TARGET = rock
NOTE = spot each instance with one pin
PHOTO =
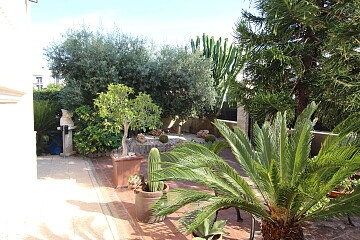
(198, 140)
(202, 133)
(141, 138)
(156, 132)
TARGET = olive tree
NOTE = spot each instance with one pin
(178, 81)
(89, 61)
(181, 83)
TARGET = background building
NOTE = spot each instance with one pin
(41, 77)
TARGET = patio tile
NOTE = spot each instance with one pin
(237, 230)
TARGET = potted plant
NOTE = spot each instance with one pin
(289, 182)
(123, 113)
(209, 229)
(148, 192)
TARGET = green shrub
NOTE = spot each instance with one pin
(71, 97)
(44, 122)
(93, 133)
(163, 138)
(45, 116)
(51, 93)
(210, 138)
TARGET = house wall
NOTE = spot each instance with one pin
(17, 137)
(45, 74)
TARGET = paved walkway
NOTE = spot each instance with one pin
(330, 229)
(73, 198)
(68, 204)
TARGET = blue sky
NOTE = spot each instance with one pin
(164, 21)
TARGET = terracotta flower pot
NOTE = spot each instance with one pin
(334, 194)
(143, 202)
(124, 167)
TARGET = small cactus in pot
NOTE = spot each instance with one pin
(153, 165)
(148, 192)
(137, 181)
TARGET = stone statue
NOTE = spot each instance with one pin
(66, 118)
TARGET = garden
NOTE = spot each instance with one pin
(294, 75)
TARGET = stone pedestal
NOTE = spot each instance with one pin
(243, 119)
(67, 127)
(67, 142)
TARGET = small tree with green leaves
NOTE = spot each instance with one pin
(124, 112)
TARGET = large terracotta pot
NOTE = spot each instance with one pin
(143, 202)
(124, 167)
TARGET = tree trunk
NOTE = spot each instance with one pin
(302, 98)
(123, 141)
(309, 60)
(279, 230)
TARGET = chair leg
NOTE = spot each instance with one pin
(349, 220)
(238, 215)
(252, 230)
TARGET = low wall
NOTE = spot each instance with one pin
(193, 125)
(319, 137)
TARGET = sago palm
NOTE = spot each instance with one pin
(289, 186)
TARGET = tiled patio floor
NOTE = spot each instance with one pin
(124, 199)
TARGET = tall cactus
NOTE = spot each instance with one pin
(153, 165)
(227, 63)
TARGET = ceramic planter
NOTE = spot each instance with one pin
(124, 167)
(143, 202)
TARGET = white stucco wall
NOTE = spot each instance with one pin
(17, 136)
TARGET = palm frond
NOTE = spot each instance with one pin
(218, 203)
(240, 146)
(325, 172)
(345, 134)
(178, 198)
(194, 162)
(300, 142)
(264, 183)
(343, 205)
(280, 135)
(292, 185)
(274, 180)
(263, 145)
(217, 147)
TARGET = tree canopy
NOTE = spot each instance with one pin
(303, 50)
(90, 61)
(181, 83)
(178, 81)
